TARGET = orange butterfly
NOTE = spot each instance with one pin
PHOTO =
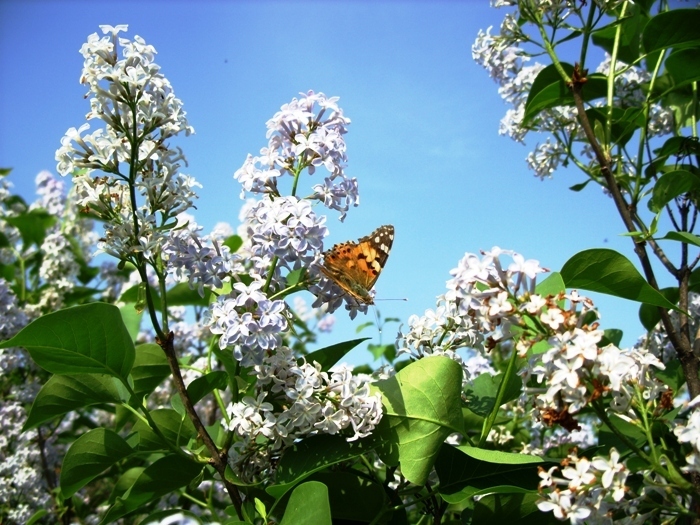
(355, 267)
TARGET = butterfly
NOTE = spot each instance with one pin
(355, 266)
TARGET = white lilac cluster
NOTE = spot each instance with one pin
(12, 317)
(689, 432)
(306, 133)
(51, 192)
(283, 233)
(295, 401)
(138, 106)
(505, 57)
(575, 370)
(482, 302)
(248, 321)
(585, 491)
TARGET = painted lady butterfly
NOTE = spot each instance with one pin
(355, 267)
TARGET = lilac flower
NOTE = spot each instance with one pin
(129, 95)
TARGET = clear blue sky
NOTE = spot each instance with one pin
(423, 142)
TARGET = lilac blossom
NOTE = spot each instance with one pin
(129, 95)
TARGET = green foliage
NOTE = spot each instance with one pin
(89, 339)
(421, 408)
(609, 272)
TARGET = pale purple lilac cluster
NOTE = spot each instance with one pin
(305, 134)
(137, 106)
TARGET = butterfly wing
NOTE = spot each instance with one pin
(355, 267)
(373, 254)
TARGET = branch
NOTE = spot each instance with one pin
(680, 343)
(219, 458)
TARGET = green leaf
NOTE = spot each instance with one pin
(481, 394)
(684, 66)
(609, 272)
(330, 355)
(514, 508)
(607, 439)
(234, 242)
(341, 484)
(64, 393)
(167, 474)
(313, 455)
(134, 295)
(462, 475)
(671, 185)
(386, 351)
(150, 368)
(549, 90)
(230, 365)
(90, 454)
(624, 122)
(497, 456)
(672, 375)
(685, 237)
(580, 185)
(87, 339)
(611, 336)
(422, 406)
(552, 285)
(308, 505)
(178, 430)
(649, 315)
(201, 386)
(37, 516)
(676, 28)
(182, 295)
(626, 33)
(131, 319)
(32, 226)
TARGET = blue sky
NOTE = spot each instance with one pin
(423, 142)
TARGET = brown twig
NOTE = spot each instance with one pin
(679, 340)
(219, 459)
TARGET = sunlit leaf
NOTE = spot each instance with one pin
(308, 505)
(422, 406)
(609, 272)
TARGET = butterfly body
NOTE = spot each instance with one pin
(355, 266)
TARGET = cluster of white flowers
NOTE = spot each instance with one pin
(689, 432)
(505, 57)
(286, 228)
(574, 371)
(482, 301)
(294, 401)
(23, 488)
(200, 261)
(304, 137)
(140, 112)
(584, 491)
